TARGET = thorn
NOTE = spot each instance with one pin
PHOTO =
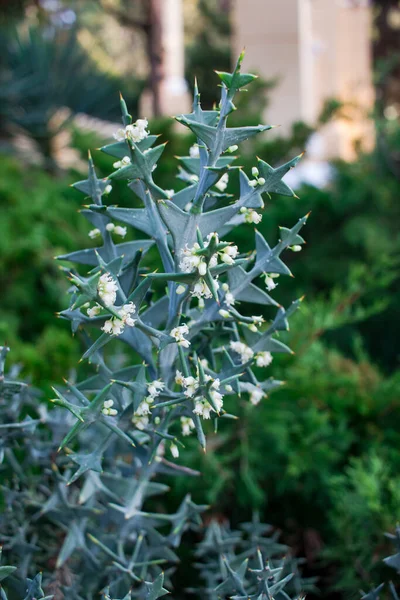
(120, 96)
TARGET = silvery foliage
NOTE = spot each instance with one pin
(81, 477)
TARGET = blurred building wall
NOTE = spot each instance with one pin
(316, 50)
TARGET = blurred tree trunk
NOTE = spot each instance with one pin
(155, 52)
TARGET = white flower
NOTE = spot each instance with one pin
(94, 311)
(191, 385)
(115, 326)
(136, 132)
(253, 183)
(225, 287)
(201, 290)
(270, 283)
(107, 289)
(296, 248)
(174, 450)
(203, 409)
(258, 320)
(108, 189)
(178, 334)
(229, 254)
(233, 148)
(263, 359)
(121, 231)
(229, 299)
(154, 388)
(194, 151)
(224, 314)
(122, 163)
(179, 378)
(217, 398)
(143, 409)
(255, 172)
(204, 363)
(229, 388)
(187, 425)
(189, 259)
(107, 410)
(141, 422)
(194, 178)
(170, 193)
(261, 181)
(256, 394)
(93, 233)
(251, 216)
(188, 206)
(221, 185)
(119, 135)
(245, 352)
(180, 289)
(110, 227)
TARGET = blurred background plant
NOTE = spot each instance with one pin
(323, 455)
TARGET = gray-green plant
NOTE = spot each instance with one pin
(86, 515)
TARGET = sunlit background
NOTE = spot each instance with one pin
(320, 459)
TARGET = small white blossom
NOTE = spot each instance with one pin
(108, 189)
(115, 326)
(110, 227)
(256, 395)
(107, 408)
(229, 299)
(154, 388)
(229, 254)
(296, 248)
(229, 388)
(194, 151)
(204, 363)
(94, 311)
(251, 216)
(258, 320)
(225, 287)
(169, 193)
(143, 409)
(187, 425)
(93, 233)
(136, 132)
(178, 334)
(180, 289)
(201, 289)
(122, 163)
(179, 378)
(222, 184)
(174, 450)
(263, 359)
(232, 148)
(224, 314)
(121, 231)
(194, 178)
(188, 206)
(270, 283)
(246, 353)
(253, 183)
(141, 422)
(255, 172)
(261, 181)
(107, 289)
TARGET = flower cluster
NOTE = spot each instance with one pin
(141, 416)
(136, 132)
(178, 333)
(191, 386)
(192, 258)
(117, 229)
(116, 325)
(124, 162)
(263, 359)
(187, 425)
(107, 408)
(250, 215)
(245, 352)
(257, 180)
(269, 281)
(107, 289)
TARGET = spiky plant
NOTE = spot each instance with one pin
(87, 518)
